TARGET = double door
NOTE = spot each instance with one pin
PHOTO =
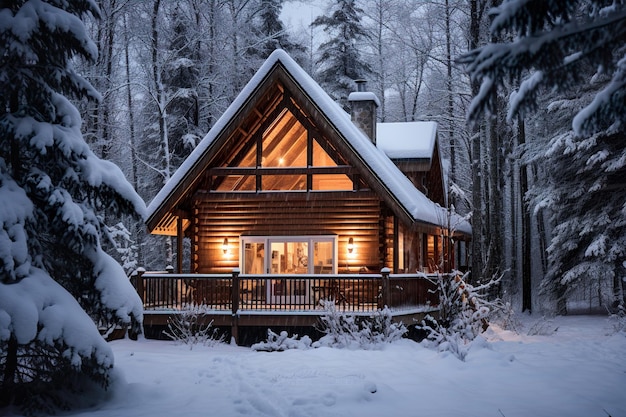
(290, 256)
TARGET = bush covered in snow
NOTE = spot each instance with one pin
(280, 342)
(341, 331)
(464, 312)
(618, 322)
(542, 327)
(189, 328)
(365, 332)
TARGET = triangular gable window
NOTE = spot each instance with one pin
(285, 157)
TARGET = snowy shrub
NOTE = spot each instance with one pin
(618, 322)
(542, 327)
(464, 312)
(348, 331)
(280, 342)
(502, 313)
(189, 328)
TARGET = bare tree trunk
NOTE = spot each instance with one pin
(476, 159)
(526, 228)
(108, 65)
(450, 98)
(541, 229)
(138, 234)
(210, 57)
(161, 105)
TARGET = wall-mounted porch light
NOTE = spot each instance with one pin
(225, 246)
(350, 245)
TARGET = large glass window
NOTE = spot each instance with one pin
(281, 161)
(284, 143)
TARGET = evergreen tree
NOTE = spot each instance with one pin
(53, 194)
(272, 33)
(340, 59)
(181, 80)
(577, 47)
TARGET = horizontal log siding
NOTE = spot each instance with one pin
(352, 214)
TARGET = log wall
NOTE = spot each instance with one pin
(345, 214)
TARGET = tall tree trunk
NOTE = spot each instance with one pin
(380, 49)
(161, 105)
(212, 13)
(526, 226)
(476, 159)
(541, 228)
(10, 371)
(450, 108)
(494, 203)
(138, 233)
(106, 102)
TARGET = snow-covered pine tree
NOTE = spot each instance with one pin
(553, 44)
(340, 58)
(272, 33)
(54, 274)
(181, 81)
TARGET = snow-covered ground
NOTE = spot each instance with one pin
(577, 370)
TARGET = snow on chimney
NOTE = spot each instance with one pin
(363, 106)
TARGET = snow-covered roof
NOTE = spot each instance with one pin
(399, 187)
(407, 140)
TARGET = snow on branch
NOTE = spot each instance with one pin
(38, 307)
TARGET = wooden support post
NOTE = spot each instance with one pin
(234, 330)
(179, 244)
(386, 288)
(139, 284)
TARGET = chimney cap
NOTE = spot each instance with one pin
(361, 83)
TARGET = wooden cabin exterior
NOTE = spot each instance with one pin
(286, 183)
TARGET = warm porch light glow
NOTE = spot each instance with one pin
(350, 245)
(225, 246)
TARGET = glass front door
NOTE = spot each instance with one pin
(290, 256)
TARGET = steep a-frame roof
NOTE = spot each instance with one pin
(408, 203)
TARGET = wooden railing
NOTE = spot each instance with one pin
(284, 293)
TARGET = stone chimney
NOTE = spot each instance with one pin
(363, 106)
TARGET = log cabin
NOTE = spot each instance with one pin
(287, 184)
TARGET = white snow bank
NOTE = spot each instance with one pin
(577, 370)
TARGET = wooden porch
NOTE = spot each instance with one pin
(234, 301)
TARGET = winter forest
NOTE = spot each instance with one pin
(546, 208)
(103, 101)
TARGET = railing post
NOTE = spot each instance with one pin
(386, 288)
(168, 289)
(234, 330)
(139, 284)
